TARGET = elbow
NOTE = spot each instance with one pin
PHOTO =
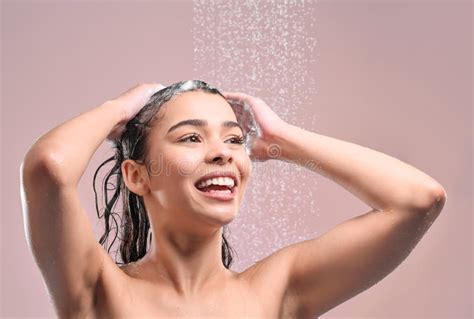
(39, 166)
(432, 198)
(425, 201)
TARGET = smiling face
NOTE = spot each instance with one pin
(196, 134)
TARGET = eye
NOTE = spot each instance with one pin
(238, 140)
(194, 137)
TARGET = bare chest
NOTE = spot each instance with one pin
(126, 297)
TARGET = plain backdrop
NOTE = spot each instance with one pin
(395, 76)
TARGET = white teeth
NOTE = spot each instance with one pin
(225, 181)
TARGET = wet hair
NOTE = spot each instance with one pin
(132, 144)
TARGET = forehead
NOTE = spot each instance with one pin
(196, 105)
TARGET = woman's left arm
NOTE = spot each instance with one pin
(323, 272)
(381, 181)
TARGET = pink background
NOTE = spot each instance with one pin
(395, 76)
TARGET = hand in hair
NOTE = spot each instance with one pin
(271, 125)
(132, 101)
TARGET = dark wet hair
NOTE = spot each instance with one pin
(132, 144)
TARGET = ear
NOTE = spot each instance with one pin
(134, 177)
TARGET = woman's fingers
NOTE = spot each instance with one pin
(132, 101)
(136, 97)
(251, 101)
(154, 87)
(238, 95)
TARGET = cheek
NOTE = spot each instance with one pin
(177, 167)
(185, 165)
(244, 164)
(174, 164)
(173, 176)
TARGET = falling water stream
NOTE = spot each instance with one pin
(265, 49)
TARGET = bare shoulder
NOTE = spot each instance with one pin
(320, 273)
(269, 280)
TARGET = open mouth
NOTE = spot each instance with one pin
(216, 189)
(218, 185)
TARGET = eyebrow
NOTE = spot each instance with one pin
(202, 123)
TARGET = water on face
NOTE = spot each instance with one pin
(265, 49)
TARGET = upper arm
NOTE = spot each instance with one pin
(350, 258)
(61, 238)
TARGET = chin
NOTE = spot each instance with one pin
(218, 217)
(211, 211)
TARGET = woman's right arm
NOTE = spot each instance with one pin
(66, 150)
(57, 228)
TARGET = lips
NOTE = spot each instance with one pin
(219, 195)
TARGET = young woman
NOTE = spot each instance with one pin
(183, 161)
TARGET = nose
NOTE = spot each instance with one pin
(219, 154)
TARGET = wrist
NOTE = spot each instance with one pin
(282, 146)
(118, 110)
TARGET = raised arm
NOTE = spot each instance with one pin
(381, 181)
(358, 253)
(353, 256)
(56, 226)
